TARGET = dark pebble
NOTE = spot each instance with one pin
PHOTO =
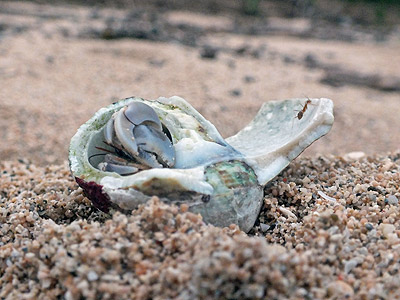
(311, 61)
(242, 49)
(208, 52)
(372, 188)
(288, 60)
(249, 79)
(236, 92)
(369, 226)
(206, 198)
(231, 64)
(50, 59)
(157, 62)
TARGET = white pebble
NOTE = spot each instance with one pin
(386, 229)
(92, 276)
(325, 196)
(350, 265)
(336, 238)
(287, 212)
(392, 199)
(356, 155)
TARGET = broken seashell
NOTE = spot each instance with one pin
(221, 179)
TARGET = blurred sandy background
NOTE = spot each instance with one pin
(60, 63)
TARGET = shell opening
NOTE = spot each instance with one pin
(185, 140)
(126, 148)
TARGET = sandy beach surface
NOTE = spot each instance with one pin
(330, 223)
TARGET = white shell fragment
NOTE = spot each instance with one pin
(221, 179)
(276, 136)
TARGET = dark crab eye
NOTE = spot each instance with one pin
(167, 132)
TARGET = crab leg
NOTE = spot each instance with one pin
(109, 130)
(113, 163)
(121, 170)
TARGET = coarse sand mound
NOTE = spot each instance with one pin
(329, 228)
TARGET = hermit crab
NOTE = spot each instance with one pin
(139, 142)
(136, 148)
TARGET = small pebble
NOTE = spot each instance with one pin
(208, 52)
(249, 79)
(92, 276)
(288, 59)
(236, 92)
(264, 227)
(287, 213)
(340, 290)
(311, 61)
(356, 155)
(157, 62)
(350, 265)
(386, 229)
(184, 207)
(369, 226)
(392, 200)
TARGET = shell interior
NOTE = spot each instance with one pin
(197, 144)
(276, 136)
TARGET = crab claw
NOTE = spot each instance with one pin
(156, 143)
(124, 132)
(139, 113)
(109, 132)
(137, 130)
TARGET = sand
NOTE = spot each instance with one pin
(330, 224)
(329, 229)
